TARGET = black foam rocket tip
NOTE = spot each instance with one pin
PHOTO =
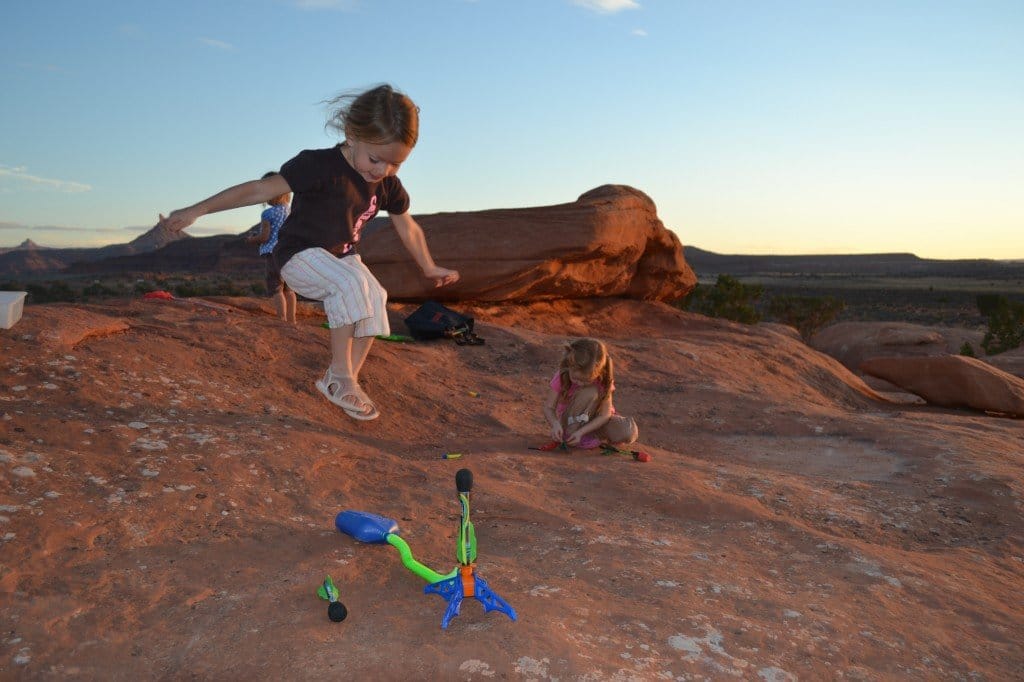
(464, 480)
(336, 611)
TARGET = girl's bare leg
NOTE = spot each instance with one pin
(290, 305)
(341, 351)
(280, 305)
(360, 349)
(584, 401)
(347, 356)
(620, 429)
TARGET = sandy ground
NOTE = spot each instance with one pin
(169, 479)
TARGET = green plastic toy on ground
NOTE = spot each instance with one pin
(462, 582)
(336, 611)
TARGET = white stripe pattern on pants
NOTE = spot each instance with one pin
(349, 291)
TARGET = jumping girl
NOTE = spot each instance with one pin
(336, 192)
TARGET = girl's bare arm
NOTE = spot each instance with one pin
(264, 232)
(550, 414)
(415, 243)
(604, 414)
(245, 194)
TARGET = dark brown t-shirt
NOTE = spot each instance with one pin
(332, 203)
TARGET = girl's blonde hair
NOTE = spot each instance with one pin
(381, 115)
(590, 358)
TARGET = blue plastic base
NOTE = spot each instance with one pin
(451, 590)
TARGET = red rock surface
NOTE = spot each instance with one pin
(169, 480)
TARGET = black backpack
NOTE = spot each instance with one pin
(434, 321)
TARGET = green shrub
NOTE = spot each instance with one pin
(967, 350)
(54, 292)
(1005, 323)
(144, 287)
(232, 287)
(807, 313)
(188, 289)
(99, 290)
(728, 298)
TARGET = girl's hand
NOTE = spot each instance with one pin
(574, 439)
(441, 276)
(178, 220)
(557, 433)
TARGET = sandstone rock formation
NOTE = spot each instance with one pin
(69, 327)
(851, 343)
(784, 329)
(609, 242)
(854, 342)
(953, 381)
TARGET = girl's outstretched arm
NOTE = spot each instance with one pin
(246, 194)
(264, 233)
(415, 243)
(550, 406)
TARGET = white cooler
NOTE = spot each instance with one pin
(11, 305)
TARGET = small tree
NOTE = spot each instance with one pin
(1005, 323)
(143, 286)
(53, 292)
(729, 299)
(967, 350)
(807, 313)
(99, 290)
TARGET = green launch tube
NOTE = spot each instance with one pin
(416, 567)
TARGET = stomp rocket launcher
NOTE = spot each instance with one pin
(462, 582)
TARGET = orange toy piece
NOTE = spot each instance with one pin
(466, 576)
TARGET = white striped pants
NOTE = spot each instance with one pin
(349, 291)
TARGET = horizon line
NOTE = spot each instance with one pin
(819, 254)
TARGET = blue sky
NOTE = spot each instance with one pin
(757, 126)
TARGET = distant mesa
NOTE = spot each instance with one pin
(708, 264)
(28, 259)
(27, 245)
